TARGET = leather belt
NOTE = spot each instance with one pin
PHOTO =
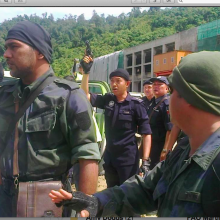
(24, 179)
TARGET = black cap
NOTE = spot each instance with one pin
(160, 78)
(147, 82)
(121, 73)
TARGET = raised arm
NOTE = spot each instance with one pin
(86, 64)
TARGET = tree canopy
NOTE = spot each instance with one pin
(110, 34)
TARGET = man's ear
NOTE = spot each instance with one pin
(40, 56)
(128, 83)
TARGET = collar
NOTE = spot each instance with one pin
(145, 98)
(157, 100)
(12, 88)
(128, 98)
(207, 152)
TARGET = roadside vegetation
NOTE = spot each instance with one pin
(110, 34)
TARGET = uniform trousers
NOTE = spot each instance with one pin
(116, 175)
(155, 152)
(8, 199)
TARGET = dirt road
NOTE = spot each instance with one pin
(101, 183)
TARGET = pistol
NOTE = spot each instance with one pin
(88, 49)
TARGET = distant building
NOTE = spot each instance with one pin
(165, 62)
(160, 56)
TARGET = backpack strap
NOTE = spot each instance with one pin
(25, 106)
(155, 108)
(211, 189)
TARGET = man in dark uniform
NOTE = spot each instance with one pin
(148, 91)
(56, 130)
(159, 118)
(124, 116)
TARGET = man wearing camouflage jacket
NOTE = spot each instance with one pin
(56, 130)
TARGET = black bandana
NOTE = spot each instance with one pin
(34, 35)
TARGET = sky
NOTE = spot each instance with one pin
(60, 12)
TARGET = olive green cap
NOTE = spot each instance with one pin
(197, 80)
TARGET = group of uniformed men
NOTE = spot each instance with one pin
(57, 131)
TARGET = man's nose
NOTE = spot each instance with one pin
(7, 54)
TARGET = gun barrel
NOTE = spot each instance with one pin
(88, 49)
(76, 60)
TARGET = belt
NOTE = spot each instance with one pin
(11, 181)
(11, 188)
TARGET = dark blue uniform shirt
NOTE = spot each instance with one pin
(122, 121)
(147, 102)
(160, 119)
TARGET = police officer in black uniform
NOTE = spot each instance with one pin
(124, 116)
(159, 117)
(148, 91)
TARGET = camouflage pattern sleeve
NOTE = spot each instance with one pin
(134, 196)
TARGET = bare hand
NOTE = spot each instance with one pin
(59, 196)
(141, 174)
(84, 213)
(163, 156)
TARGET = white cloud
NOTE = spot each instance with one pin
(60, 12)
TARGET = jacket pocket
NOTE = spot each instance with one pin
(125, 115)
(42, 122)
(42, 132)
(125, 118)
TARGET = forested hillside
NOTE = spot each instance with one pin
(110, 34)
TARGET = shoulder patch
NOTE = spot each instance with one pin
(166, 101)
(137, 99)
(83, 120)
(70, 84)
(9, 81)
(109, 95)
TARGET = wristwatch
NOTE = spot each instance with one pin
(164, 150)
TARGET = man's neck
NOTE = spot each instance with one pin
(159, 96)
(38, 72)
(199, 136)
(149, 97)
(121, 98)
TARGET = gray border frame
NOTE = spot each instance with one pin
(104, 3)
